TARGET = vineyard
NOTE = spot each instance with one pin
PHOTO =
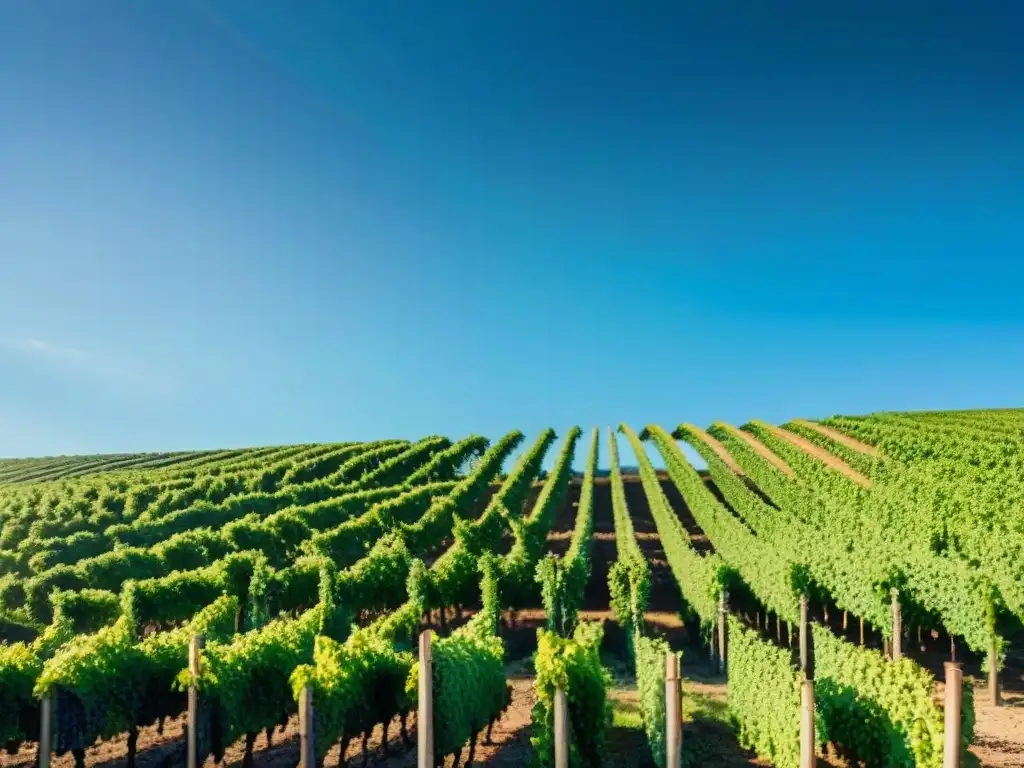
(167, 609)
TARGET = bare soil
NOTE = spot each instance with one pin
(850, 442)
(757, 446)
(603, 552)
(643, 521)
(708, 736)
(828, 459)
(718, 448)
(998, 731)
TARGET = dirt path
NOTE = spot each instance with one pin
(510, 737)
(760, 448)
(998, 731)
(718, 448)
(560, 536)
(839, 437)
(663, 616)
(698, 539)
(596, 596)
(828, 459)
(666, 599)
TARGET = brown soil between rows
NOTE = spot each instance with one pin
(718, 448)
(710, 741)
(510, 743)
(664, 603)
(698, 539)
(828, 459)
(759, 447)
(850, 442)
(597, 596)
(511, 734)
(560, 535)
(998, 731)
(665, 593)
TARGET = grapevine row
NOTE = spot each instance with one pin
(629, 582)
(563, 580)
(931, 584)
(257, 656)
(851, 682)
(701, 577)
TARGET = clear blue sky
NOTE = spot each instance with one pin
(232, 222)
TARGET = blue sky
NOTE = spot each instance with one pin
(233, 223)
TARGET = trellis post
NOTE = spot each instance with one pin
(993, 671)
(954, 685)
(897, 626)
(804, 629)
(673, 712)
(47, 733)
(561, 729)
(425, 713)
(723, 608)
(307, 731)
(807, 755)
(195, 647)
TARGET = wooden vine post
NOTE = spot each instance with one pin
(808, 758)
(993, 671)
(954, 685)
(195, 647)
(425, 713)
(673, 712)
(723, 609)
(804, 629)
(307, 731)
(807, 755)
(897, 626)
(561, 729)
(47, 733)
